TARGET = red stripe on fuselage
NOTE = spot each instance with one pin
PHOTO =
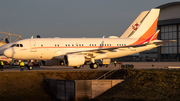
(98, 47)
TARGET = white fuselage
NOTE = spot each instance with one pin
(50, 48)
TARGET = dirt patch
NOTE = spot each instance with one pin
(30, 85)
(146, 85)
(139, 85)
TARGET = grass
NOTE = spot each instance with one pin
(31, 85)
(139, 85)
(146, 85)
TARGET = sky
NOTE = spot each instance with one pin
(71, 18)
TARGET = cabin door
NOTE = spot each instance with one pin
(33, 46)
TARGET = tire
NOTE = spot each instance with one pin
(93, 65)
(62, 63)
(77, 67)
(30, 68)
(100, 65)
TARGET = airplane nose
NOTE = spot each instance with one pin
(8, 52)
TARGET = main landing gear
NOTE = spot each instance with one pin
(62, 63)
(77, 67)
(93, 65)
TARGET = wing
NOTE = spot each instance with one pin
(97, 52)
(101, 51)
(163, 42)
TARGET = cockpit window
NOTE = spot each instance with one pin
(21, 45)
(13, 45)
(17, 45)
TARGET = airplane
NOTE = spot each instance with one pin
(141, 36)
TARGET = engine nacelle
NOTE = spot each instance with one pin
(74, 59)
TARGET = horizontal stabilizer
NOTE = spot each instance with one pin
(164, 42)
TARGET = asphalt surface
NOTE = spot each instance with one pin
(137, 65)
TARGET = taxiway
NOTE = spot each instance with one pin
(137, 65)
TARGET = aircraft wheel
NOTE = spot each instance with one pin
(77, 67)
(62, 63)
(100, 65)
(93, 65)
(30, 68)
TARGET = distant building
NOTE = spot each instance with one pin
(169, 25)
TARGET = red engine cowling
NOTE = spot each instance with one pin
(74, 59)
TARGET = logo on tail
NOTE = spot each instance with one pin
(135, 27)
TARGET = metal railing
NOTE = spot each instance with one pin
(112, 71)
(9, 36)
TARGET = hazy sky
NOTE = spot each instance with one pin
(71, 18)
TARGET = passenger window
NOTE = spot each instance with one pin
(89, 44)
(94, 44)
(21, 45)
(79, 44)
(72, 44)
(82, 45)
(41, 45)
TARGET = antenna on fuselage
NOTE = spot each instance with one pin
(38, 36)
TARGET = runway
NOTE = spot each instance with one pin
(137, 65)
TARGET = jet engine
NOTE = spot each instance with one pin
(74, 59)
